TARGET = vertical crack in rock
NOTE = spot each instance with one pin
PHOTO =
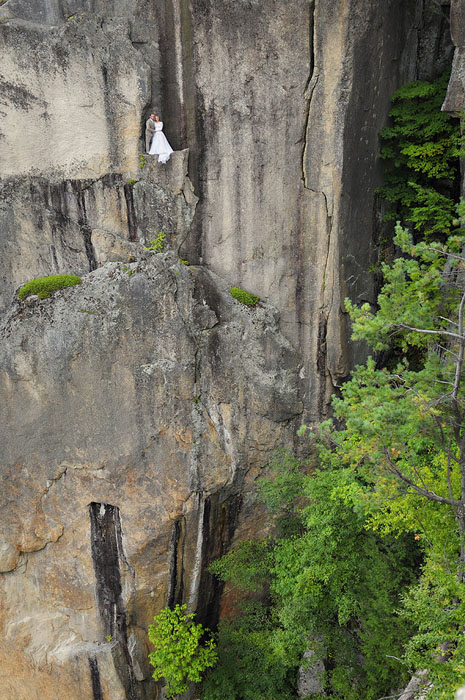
(188, 203)
(321, 351)
(419, 32)
(179, 63)
(328, 238)
(53, 251)
(176, 573)
(172, 73)
(95, 678)
(90, 252)
(108, 91)
(325, 310)
(86, 230)
(198, 560)
(313, 74)
(107, 553)
(197, 428)
(130, 211)
(189, 103)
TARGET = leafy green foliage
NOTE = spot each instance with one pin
(421, 148)
(367, 567)
(246, 567)
(244, 297)
(327, 579)
(402, 440)
(156, 244)
(248, 665)
(437, 607)
(179, 656)
(45, 286)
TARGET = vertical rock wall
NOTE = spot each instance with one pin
(290, 99)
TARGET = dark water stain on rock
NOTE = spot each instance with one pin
(176, 574)
(107, 556)
(219, 524)
(105, 544)
(95, 678)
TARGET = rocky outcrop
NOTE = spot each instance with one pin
(138, 408)
(418, 688)
(309, 676)
(85, 223)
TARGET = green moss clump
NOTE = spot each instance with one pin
(244, 297)
(45, 286)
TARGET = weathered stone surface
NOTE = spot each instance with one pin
(149, 389)
(281, 117)
(309, 676)
(71, 99)
(457, 23)
(286, 143)
(455, 97)
(418, 687)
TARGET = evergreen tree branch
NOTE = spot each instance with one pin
(430, 495)
(427, 331)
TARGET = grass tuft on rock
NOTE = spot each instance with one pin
(45, 286)
(244, 297)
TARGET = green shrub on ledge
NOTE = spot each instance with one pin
(243, 296)
(45, 286)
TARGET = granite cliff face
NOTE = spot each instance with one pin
(139, 407)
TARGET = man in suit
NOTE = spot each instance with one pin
(149, 131)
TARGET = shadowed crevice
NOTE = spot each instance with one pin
(107, 556)
(176, 574)
(95, 678)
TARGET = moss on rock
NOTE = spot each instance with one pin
(244, 297)
(45, 286)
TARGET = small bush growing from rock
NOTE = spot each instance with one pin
(244, 297)
(182, 649)
(45, 286)
(157, 244)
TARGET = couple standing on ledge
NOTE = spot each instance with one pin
(156, 143)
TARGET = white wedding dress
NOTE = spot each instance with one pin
(160, 146)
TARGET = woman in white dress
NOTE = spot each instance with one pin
(160, 146)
